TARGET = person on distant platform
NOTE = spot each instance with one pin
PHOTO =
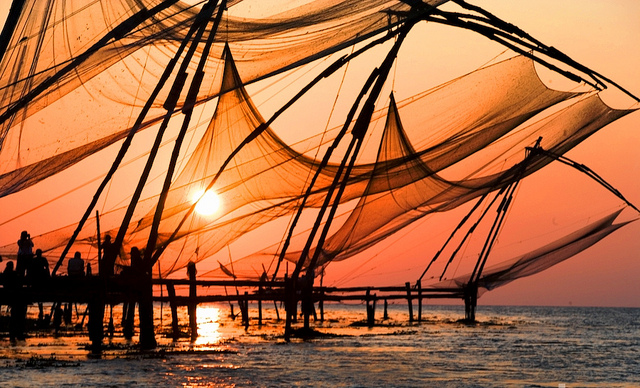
(75, 266)
(25, 253)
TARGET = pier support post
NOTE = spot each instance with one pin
(419, 285)
(191, 307)
(470, 303)
(18, 318)
(371, 309)
(275, 305)
(386, 315)
(321, 297)
(128, 315)
(175, 329)
(96, 321)
(260, 305)
(307, 300)
(409, 301)
(96, 316)
(145, 313)
(244, 309)
(289, 306)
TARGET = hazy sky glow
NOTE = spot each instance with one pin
(602, 35)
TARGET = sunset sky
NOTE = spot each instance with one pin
(602, 35)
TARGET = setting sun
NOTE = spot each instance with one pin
(208, 203)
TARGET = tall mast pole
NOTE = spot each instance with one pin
(188, 112)
(10, 25)
(136, 126)
(170, 104)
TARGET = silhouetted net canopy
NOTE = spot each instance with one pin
(100, 53)
(104, 61)
(540, 259)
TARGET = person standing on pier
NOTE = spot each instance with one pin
(38, 272)
(11, 283)
(108, 262)
(75, 266)
(25, 253)
(9, 276)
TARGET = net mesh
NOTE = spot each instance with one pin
(471, 131)
(541, 258)
(59, 60)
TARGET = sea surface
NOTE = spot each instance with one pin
(509, 346)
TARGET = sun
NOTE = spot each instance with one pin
(207, 203)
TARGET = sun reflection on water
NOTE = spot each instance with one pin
(208, 325)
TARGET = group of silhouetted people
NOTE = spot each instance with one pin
(32, 270)
(29, 269)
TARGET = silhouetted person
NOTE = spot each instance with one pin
(38, 272)
(25, 253)
(18, 306)
(75, 266)
(38, 276)
(9, 276)
(9, 279)
(108, 262)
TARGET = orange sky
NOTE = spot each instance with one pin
(602, 35)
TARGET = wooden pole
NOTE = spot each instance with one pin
(419, 301)
(409, 301)
(321, 301)
(145, 312)
(386, 315)
(275, 305)
(96, 321)
(193, 304)
(99, 241)
(175, 329)
(289, 299)
(371, 309)
(321, 306)
(128, 313)
(470, 303)
(111, 327)
(260, 305)
(245, 309)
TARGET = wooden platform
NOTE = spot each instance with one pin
(97, 292)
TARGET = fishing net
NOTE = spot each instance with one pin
(542, 258)
(102, 61)
(471, 131)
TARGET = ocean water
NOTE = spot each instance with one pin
(509, 346)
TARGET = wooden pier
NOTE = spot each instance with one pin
(96, 293)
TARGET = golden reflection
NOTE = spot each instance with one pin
(208, 325)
